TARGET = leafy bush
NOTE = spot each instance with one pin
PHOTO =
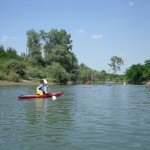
(59, 73)
(16, 67)
(12, 76)
(35, 73)
(2, 75)
(135, 74)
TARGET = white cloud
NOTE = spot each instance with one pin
(80, 31)
(131, 3)
(4, 38)
(97, 36)
(13, 38)
(7, 38)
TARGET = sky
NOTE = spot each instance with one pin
(99, 29)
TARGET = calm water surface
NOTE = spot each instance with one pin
(85, 117)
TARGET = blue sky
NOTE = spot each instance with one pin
(99, 29)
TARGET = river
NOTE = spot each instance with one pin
(85, 117)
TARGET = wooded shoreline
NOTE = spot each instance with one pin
(24, 82)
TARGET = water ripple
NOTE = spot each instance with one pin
(89, 117)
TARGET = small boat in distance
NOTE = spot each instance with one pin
(87, 83)
(109, 83)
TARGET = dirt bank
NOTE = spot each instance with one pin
(2, 83)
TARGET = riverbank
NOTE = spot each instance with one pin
(36, 82)
(2, 83)
(24, 82)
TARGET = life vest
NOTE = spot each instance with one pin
(39, 90)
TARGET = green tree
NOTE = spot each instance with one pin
(35, 73)
(73, 67)
(12, 76)
(147, 70)
(24, 56)
(34, 47)
(58, 73)
(85, 73)
(135, 74)
(11, 53)
(58, 48)
(115, 63)
(16, 67)
(2, 52)
(56, 45)
(54, 38)
(147, 63)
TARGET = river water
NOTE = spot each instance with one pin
(85, 117)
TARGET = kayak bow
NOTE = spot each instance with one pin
(47, 95)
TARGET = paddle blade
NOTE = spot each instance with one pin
(54, 97)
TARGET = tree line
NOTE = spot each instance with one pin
(138, 73)
(49, 55)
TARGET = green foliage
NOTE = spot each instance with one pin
(50, 56)
(147, 71)
(13, 76)
(58, 73)
(88, 74)
(55, 38)
(24, 56)
(34, 47)
(103, 75)
(135, 74)
(115, 63)
(84, 73)
(2, 52)
(35, 73)
(16, 67)
(57, 48)
(2, 75)
(11, 53)
(2, 64)
(147, 63)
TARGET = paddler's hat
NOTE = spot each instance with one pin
(45, 81)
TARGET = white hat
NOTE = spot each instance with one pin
(45, 82)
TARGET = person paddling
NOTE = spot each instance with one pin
(42, 88)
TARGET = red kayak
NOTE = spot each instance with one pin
(47, 95)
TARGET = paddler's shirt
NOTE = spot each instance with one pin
(40, 90)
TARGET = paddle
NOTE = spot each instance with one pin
(53, 96)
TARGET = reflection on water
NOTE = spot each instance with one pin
(41, 104)
(89, 117)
